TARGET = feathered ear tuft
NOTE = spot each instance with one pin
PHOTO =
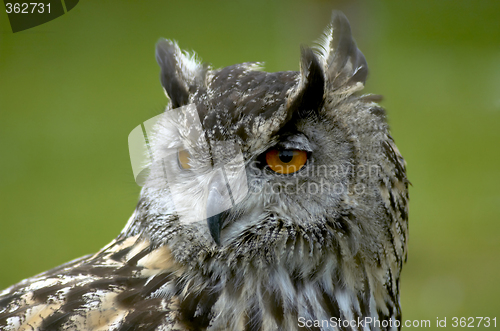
(344, 63)
(310, 91)
(180, 73)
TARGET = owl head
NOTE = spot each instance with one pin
(274, 167)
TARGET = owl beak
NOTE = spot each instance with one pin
(214, 226)
(218, 201)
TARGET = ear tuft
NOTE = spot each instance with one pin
(180, 72)
(344, 63)
(310, 91)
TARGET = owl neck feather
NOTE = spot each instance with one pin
(280, 277)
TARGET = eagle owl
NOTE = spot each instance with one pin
(273, 201)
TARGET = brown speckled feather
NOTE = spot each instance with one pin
(112, 290)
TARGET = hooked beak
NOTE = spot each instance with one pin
(214, 226)
(219, 200)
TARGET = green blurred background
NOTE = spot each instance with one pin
(72, 89)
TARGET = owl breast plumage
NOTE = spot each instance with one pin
(272, 201)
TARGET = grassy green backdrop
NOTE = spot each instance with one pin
(72, 89)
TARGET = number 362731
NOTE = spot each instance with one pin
(27, 8)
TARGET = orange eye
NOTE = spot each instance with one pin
(183, 157)
(286, 161)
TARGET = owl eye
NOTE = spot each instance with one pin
(183, 158)
(286, 161)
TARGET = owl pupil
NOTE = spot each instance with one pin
(285, 156)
